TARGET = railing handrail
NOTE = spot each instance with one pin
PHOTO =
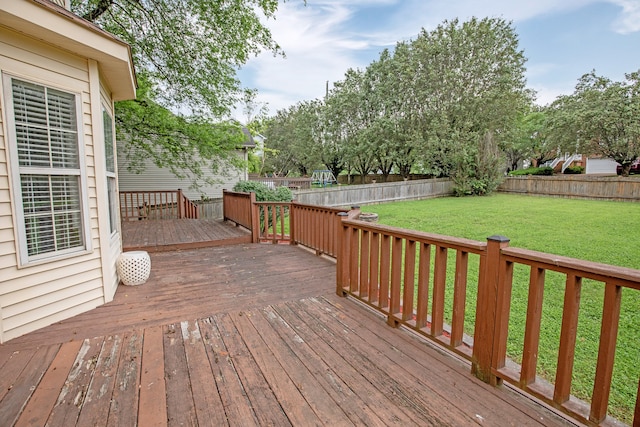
(373, 259)
(623, 276)
(471, 246)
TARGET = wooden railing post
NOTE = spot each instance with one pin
(486, 309)
(180, 204)
(255, 219)
(342, 260)
(225, 202)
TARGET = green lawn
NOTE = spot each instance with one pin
(600, 231)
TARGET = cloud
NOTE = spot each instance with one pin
(326, 37)
(629, 20)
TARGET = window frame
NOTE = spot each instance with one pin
(17, 171)
(113, 205)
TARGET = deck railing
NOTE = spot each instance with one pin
(315, 227)
(144, 205)
(422, 281)
(390, 269)
(238, 208)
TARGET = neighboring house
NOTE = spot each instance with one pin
(59, 218)
(600, 166)
(592, 165)
(154, 178)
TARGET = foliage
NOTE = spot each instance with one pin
(601, 118)
(543, 224)
(445, 103)
(198, 67)
(546, 170)
(186, 53)
(185, 146)
(530, 140)
(574, 170)
(263, 192)
(292, 135)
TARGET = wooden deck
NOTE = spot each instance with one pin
(175, 234)
(242, 335)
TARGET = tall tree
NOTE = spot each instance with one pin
(601, 118)
(470, 80)
(186, 53)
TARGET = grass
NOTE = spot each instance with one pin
(600, 231)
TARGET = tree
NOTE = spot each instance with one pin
(531, 140)
(186, 53)
(185, 146)
(470, 87)
(601, 118)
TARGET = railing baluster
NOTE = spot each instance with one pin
(568, 336)
(374, 274)
(385, 271)
(423, 285)
(364, 265)
(532, 328)
(396, 277)
(606, 352)
(354, 258)
(439, 283)
(409, 279)
(459, 298)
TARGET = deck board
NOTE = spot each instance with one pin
(239, 336)
(180, 234)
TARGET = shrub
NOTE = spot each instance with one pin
(263, 192)
(574, 170)
(532, 171)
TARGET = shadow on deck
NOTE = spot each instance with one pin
(243, 335)
(180, 234)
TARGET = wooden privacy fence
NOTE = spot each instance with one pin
(575, 186)
(144, 205)
(390, 270)
(273, 182)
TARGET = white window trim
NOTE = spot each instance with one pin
(109, 174)
(24, 260)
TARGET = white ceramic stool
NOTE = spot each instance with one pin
(134, 267)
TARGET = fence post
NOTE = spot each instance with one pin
(180, 204)
(342, 261)
(255, 218)
(486, 309)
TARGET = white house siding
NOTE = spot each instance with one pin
(601, 166)
(156, 179)
(37, 295)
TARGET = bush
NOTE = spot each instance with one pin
(574, 170)
(264, 193)
(532, 171)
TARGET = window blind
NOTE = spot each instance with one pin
(48, 156)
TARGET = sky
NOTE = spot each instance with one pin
(562, 40)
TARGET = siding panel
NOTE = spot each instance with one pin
(153, 178)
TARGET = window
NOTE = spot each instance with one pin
(109, 146)
(44, 124)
